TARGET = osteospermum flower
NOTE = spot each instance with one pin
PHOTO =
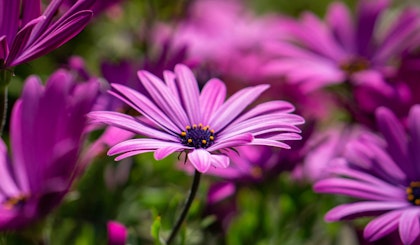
(25, 34)
(47, 126)
(343, 48)
(177, 117)
(385, 174)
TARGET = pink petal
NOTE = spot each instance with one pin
(233, 141)
(212, 97)
(200, 159)
(235, 105)
(362, 209)
(382, 225)
(189, 92)
(163, 152)
(220, 161)
(164, 98)
(409, 225)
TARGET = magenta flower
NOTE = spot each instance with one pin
(117, 233)
(177, 117)
(384, 173)
(343, 48)
(47, 125)
(25, 34)
(226, 39)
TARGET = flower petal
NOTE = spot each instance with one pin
(189, 92)
(220, 161)
(200, 159)
(382, 225)
(234, 106)
(211, 98)
(360, 209)
(409, 225)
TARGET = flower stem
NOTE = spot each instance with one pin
(5, 77)
(191, 196)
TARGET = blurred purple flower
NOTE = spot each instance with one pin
(47, 125)
(25, 34)
(117, 233)
(345, 49)
(386, 174)
(226, 39)
(325, 146)
(178, 118)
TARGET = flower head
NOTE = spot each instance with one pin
(385, 173)
(47, 125)
(177, 117)
(343, 48)
(25, 34)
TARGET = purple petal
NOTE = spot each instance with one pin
(394, 134)
(267, 108)
(358, 189)
(4, 49)
(163, 152)
(9, 12)
(368, 13)
(339, 19)
(235, 105)
(220, 161)
(170, 78)
(220, 191)
(414, 144)
(21, 41)
(200, 159)
(234, 141)
(398, 36)
(382, 225)
(140, 145)
(361, 209)
(269, 142)
(146, 107)
(31, 9)
(8, 186)
(189, 92)
(129, 123)
(55, 38)
(212, 97)
(409, 225)
(164, 98)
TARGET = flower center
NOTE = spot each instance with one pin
(413, 193)
(16, 201)
(354, 65)
(197, 136)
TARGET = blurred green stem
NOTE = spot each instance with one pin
(181, 218)
(5, 77)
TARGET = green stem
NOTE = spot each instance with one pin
(181, 218)
(5, 77)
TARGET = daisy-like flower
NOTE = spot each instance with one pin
(47, 128)
(177, 117)
(25, 34)
(343, 48)
(385, 173)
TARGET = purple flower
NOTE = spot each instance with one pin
(343, 48)
(117, 233)
(47, 125)
(385, 173)
(25, 34)
(226, 39)
(177, 117)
